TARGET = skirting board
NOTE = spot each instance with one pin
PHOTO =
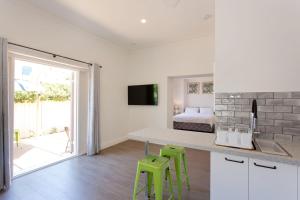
(114, 142)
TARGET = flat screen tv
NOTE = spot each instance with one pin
(143, 94)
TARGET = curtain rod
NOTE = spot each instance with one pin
(53, 54)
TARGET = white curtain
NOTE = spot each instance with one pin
(5, 164)
(93, 136)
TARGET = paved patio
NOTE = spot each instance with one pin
(39, 151)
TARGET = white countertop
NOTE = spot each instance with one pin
(205, 141)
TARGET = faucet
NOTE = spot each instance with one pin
(253, 116)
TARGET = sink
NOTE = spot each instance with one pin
(270, 147)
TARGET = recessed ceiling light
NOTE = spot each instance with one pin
(143, 21)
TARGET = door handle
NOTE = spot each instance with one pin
(264, 166)
(236, 161)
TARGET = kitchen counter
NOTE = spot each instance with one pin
(205, 141)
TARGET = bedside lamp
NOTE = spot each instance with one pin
(176, 109)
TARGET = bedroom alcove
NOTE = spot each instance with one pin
(191, 103)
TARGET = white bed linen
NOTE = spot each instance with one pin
(195, 118)
(191, 110)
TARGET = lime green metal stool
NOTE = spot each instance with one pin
(178, 154)
(17, 137)
(155, 167)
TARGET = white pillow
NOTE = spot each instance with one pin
(191, 110)
(206, 111)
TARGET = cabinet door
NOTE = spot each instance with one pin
(271, 180)
(229, 177)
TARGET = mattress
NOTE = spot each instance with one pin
(194, 127)
(195, 118)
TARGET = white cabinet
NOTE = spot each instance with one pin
(241, 178)
(271, 180)
(229, 177)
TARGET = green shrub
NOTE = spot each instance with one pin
(25, 97)
(52, 92)
(56, 92)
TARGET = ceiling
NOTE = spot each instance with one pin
(119, 20)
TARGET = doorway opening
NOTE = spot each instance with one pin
(45, 98)
(191, 103)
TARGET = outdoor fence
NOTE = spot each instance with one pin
(42, 117)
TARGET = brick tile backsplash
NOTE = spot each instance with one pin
(296, 95)
(274, 115)
(260, 102)
(278, 113)
(291, 116)
(281, 137)
(265, 122)
(283, 123)
(296, 138)
(291, 131)
(296, 109)
(227, 113)
(273, 129)
(274, 101)
(291, 102)
(227, 101)
(241, 101)
(234, 107)
(242, 114)
(283, 109)
(265, 108)
(265, 95)
(282, 95)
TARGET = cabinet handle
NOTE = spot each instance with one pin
(237, 161)
(269, 167)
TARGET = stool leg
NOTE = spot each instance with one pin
(149, 184)
(136, 183)
(162, 155)
(178, 176)
(170, 183)
(186, 171)
(158, 185)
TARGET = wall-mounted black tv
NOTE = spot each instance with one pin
(143, 94)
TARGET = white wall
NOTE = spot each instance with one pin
(199, 100)
(26, 24)
(156, 64)
(178, 92)
(23, 23)
(257, 45)
(181, 98)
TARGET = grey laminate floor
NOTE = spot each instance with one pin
(108, 176)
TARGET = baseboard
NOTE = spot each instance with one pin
(114, 142)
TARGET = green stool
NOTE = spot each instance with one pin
(155, 166)
(178, 154)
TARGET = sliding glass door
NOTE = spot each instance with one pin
(45, 107)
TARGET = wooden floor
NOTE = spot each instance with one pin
(108, 176)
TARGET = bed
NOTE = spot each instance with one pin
(195, 119)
